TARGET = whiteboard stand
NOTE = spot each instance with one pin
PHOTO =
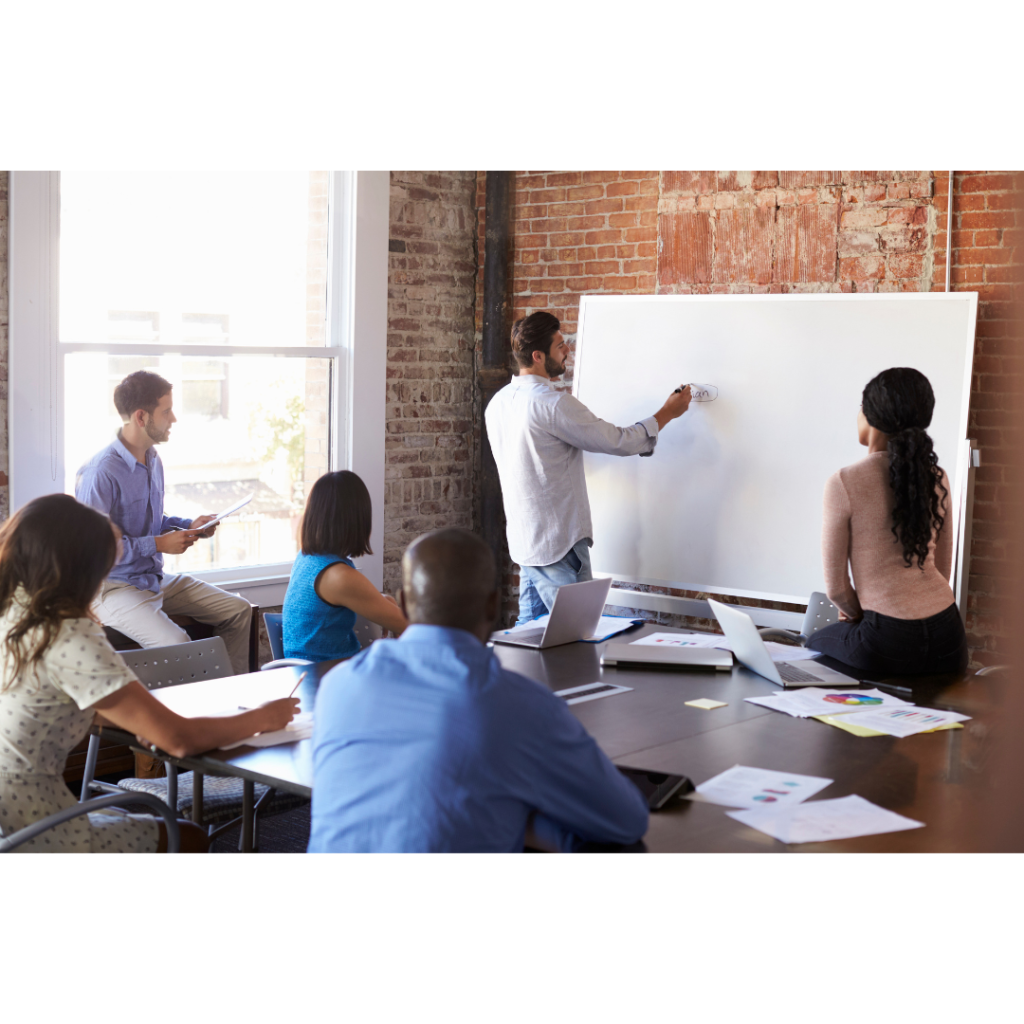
(965, 522)
(620, 597)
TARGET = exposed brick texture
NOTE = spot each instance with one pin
(431, 279)
(987, 257)
(631, 232)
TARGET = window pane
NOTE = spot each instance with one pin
(202, 258)
(245, 424)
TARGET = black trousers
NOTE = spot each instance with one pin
(899, 647)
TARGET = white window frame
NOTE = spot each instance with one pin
(356, 342)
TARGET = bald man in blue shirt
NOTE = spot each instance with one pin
(426, 743)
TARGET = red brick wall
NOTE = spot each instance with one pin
(988, 231)
(788, 231)
(429, 414)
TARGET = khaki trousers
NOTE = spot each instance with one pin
(143, 615)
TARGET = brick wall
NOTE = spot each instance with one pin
(708, 232)
(429, 445)
(988, 257)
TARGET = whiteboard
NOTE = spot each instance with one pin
(730, 502)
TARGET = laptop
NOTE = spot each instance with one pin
(574, 615)
(750, 651)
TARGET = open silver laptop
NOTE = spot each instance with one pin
(574, 615)
(750, 651)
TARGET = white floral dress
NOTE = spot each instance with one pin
(44, 714)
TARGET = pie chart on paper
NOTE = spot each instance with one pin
(851, 698)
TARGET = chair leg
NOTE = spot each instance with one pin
(245, 839)
(197, 798)
(172, 786)
(91, 756)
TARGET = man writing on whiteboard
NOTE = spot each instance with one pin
(538, 435)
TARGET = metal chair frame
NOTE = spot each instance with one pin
(29, 832)
(157, 667)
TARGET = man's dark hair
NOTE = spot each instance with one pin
(338, 517)
(447, 577)
(533, 333)
(140, 390)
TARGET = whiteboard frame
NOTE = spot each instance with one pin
(962, 509)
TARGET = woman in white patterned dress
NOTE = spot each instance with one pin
(57, 670)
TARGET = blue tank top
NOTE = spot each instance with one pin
(313, 628)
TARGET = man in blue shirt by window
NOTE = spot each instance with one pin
(126, 481)
(426, 743)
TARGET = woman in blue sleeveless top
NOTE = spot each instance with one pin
(326, 591)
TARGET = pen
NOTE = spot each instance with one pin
(241, 707)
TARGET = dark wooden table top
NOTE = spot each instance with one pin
(930, 777)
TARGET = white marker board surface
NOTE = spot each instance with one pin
(730, 502)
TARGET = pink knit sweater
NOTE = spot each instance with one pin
(857, 530)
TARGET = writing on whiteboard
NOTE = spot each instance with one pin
(703, 392)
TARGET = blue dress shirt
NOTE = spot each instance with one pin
(132, 494)
(426, 743)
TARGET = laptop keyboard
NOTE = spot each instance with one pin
(792, 674)
(530, 636)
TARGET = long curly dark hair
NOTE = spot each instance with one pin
(58, 551)
(899, 402)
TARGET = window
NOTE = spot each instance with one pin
(245, 291)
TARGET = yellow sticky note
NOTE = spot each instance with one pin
(705, 704)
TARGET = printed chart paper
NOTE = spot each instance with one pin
(758, 787)
(822, 820)
(815, 700)
(902, 722)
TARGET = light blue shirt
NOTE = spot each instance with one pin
(426, 743)
(116, 483)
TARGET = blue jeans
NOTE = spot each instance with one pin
(539, 583)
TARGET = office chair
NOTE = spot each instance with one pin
(29, 832)
(207, 800)
(820, 612)
(366, 632)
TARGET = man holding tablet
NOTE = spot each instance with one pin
(538, 435)
(126, 481)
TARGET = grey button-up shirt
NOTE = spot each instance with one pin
(538, 435)
(114, 482)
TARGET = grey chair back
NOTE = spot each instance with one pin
(820, 612)
(366, 631)
(179, 663)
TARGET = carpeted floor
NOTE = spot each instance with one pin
(283, 833)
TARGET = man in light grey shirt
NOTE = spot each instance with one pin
(538, 436)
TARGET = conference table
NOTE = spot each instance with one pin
(935, 778)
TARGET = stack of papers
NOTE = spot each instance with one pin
(822, 820)
(779, 652)
(906, 721)
(773, 803)
(810, 701)
(299, 728)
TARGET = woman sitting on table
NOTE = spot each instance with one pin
(326, 591)
(889, 517)
(58, 670)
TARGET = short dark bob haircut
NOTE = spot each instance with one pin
(338, 517)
